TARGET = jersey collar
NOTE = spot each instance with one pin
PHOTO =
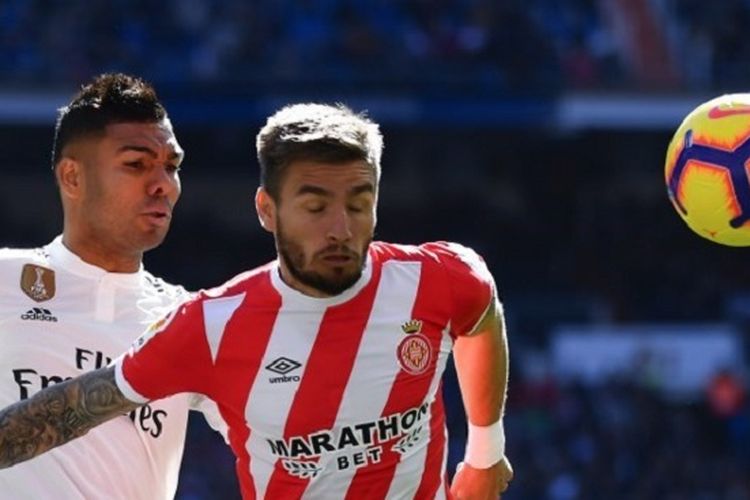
(61, 257)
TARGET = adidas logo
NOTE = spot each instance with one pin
(39, 314)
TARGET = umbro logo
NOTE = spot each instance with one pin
(283, 366)
(38, 314)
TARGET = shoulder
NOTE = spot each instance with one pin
(459, 258)
(470, 283)
(205, 306)
(10, 257)
(454, 257)
(14, 260)
(457, 271)
(255, 283)
(167, 291)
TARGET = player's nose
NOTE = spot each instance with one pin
(162, 182)
(339, 227)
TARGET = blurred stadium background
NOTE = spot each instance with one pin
(533, 130)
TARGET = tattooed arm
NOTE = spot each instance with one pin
(58, 414)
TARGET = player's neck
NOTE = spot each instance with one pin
(100, 255)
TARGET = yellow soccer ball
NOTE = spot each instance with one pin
(706, 170)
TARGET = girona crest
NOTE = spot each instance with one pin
(414, 352)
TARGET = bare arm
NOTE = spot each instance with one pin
(58, 414)
(482, 368)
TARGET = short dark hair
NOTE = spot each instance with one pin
(109, 98)
(315, 132)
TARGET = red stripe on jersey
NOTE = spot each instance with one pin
(238, 361)
(329, 366)
(408, 388)
(431, 478)
(155, 372)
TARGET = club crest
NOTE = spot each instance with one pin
(414, 352)
(38, 282)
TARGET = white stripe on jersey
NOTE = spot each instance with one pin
(293, 336)
(403, 484)
(394, 302)
(216, 313)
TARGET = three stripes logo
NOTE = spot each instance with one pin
(38, 314)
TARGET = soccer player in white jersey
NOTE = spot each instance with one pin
(72, 305)
(326, 363)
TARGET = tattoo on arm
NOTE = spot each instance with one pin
(58, 414)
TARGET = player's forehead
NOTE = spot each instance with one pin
(310, 177)
(156, 136)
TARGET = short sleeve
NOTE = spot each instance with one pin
(471, 285)
(172, 356)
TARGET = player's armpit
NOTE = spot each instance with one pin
(58, 414)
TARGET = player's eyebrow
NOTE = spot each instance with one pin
(367, 187)
(311, 189)
(174, 155)
(140, 149)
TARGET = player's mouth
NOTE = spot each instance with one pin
(157, 217)
(338, 258)
(337, 255)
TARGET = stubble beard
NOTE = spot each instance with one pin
(293, 256)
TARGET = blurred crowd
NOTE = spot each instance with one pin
(622, 440)
(482, 46)
(710, 42)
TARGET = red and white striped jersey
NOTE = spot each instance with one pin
(333, 397)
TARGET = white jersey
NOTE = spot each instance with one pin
(61, 317)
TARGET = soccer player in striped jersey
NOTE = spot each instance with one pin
(327, 362)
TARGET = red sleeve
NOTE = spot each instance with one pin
(172, 356)
(470, 283)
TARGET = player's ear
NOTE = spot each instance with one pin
(69, 174)
(266, 208)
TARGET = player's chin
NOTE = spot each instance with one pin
(339, 272)
(336, 284)
(152, 238)
(341, 268)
